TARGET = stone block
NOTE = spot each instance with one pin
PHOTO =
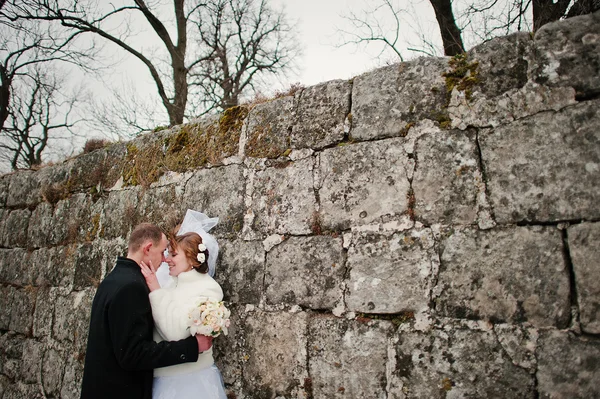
(276, 344)
(390, 273)
(514, 274)
(88, 171)
(31, 362)
(495, 78)
(161, 205)
(88, 266)
(53, 368)
(14, 232)
(71, 317)
(447, 179)
(6, 301)
(15, 267)
(23, 306)
(218, 192)
(40, 224)
(322, 115)
(386, 101)
(567, 53)
(267, 134)
(241, 271)
(18, 390)
(120, 214)
(44, 312)
(545, 168)
(82, 217)
(73, 376)
(283, 199)
(567, 366)
(228, 350)
(110, 251)
(585, 256)
(457, 363)
(348, 358)
(4, 184)
(363, 183)
(23, 190)
(306, 271)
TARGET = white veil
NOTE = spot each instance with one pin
(195, 222)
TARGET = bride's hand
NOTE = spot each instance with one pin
(150, 276)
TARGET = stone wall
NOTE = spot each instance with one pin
(428, 229)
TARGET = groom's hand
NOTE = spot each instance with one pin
(204, 342)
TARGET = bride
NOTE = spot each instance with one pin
(191, 265)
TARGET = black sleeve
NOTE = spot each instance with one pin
(130, 328)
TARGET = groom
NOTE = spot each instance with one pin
(120, 351)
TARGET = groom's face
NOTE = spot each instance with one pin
(156, 254)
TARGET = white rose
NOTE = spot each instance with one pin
(201, 258)
(201, 247)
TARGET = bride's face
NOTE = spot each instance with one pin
(178, 262)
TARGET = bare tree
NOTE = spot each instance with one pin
(239, 41)
(479, 19)
(172, 77)
(38, 112)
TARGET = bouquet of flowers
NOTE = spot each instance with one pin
(208, 317)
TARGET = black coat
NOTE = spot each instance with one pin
(120, 353)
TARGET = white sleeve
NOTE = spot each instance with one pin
(170, 316)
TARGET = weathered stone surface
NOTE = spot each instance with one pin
(19, 390)
(11, 352)
(568, 54)
(545, 168)
(14, 229)
(514, 274)
(447, 179)
(111, 250)
(347, 358)
(90, 170)
(24, 189)
(218, 192)
(387, 100)
(283, 199)
(120, 213)
(4, 184)
(40, 223)
(306, 271)
(585, 256)
(269, 124)
(73, 375)
(228, 350)
(54, 266)
(322, 112)
(88, 266)
(31, 362)
(160, 205)
(6, 300)
(23, 305)
(53, 367)
(71, 317)
(390, 273)
(241, 270)
(14, 268)
(363, 183)
(82, 216)
(493, 77)
(480, 111)
(44, 311)
(567, 366)
(519, 343)
(276, 344)
(458, 363)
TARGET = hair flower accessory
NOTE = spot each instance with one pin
(201, 247)
(201, 258)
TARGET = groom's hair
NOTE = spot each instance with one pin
(142, 233)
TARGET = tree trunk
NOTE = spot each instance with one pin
(545, 11)
(4, 96)
(451, 35)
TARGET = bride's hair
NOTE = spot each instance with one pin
(188, 243)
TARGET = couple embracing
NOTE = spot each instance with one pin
(139, 343)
